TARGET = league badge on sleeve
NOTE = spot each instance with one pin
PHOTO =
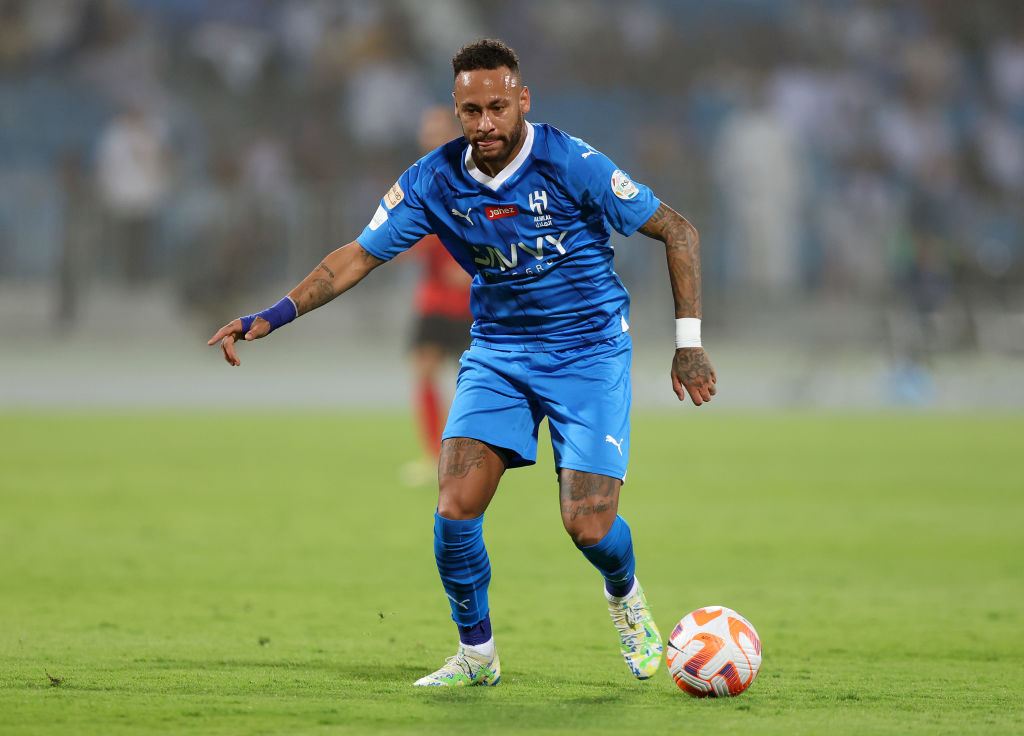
(394, 196)
(623, 186)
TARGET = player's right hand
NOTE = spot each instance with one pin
(230, 333)
(693, 375)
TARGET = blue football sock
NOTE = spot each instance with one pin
(464, 567)
(613, 557)
(477, 634)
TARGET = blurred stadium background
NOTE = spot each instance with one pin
(856, 170)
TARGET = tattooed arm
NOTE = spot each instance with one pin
(336, 274)
(691, 370)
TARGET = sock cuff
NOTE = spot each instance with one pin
(485, 649)
(453, 529)
(613, 598)
(611, 539)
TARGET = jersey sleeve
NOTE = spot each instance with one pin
(400, 220)
(603, 186)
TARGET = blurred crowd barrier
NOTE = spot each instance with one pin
(856, 152)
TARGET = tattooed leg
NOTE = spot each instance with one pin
(589, 504)
(468, 473)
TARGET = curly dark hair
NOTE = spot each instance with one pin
(487, 53)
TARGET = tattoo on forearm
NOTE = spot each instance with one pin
(682, 249)
(323, 267)
(319, 292)
(586, 494)
(461, 455)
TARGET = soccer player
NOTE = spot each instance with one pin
(526, 209)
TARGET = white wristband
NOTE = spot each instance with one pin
(687, 332)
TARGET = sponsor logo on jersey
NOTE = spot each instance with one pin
(502, 210)
(494, 257)
(623, 186)
(394, 196)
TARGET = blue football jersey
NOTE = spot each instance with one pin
(534, 237)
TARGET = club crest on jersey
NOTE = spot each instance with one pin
(539, 204)
(394, 196)
(502, 210)
(623, 186)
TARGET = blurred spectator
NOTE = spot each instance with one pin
(381, 75)
(15, 40)
(133, 172)
(803, 134)
(757, 167)
(1006, 69)
(78, 227)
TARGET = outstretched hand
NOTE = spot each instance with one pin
(692, 374)
(230, 333)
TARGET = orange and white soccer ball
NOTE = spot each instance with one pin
(713, 652)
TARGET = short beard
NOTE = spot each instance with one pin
(514, 137)
(516, 134)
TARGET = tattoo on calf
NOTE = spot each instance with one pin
(323, 267)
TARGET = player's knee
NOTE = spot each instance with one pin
(455, 508)
(457, 501)
(586, 531)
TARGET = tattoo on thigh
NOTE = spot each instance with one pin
(572, 513)
(586, 494)
(461, 455)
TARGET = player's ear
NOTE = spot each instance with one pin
(524, 100)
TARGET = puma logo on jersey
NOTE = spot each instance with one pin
(588, 153)
(618, 445)
(465, 217)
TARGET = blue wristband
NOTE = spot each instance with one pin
(278, 315)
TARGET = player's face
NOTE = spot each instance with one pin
(491, 104)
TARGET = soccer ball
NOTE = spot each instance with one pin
(713, 652)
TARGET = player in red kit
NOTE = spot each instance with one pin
(441, 328)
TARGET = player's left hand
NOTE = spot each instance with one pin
(230, 333)
(692, 374)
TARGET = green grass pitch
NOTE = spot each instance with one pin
(267, 573)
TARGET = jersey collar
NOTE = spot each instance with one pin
(493, 182)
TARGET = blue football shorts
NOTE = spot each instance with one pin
(585, 393)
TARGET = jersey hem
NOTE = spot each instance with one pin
(544, 346)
